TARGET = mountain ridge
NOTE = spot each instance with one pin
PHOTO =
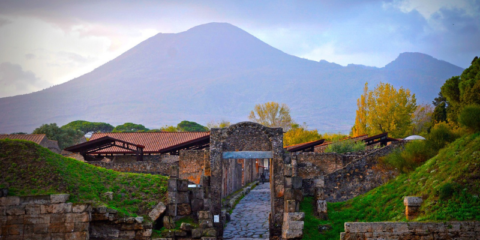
(211, 72)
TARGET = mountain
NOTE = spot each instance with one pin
(216, 71)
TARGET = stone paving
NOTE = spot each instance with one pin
(249, 219)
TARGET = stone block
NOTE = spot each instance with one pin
(172, 210)
(184, 209)
(3, 192)
(15, 229)
(412, 201)
(77, 236)
(182, 197)
(198, 193)
(57, 236)
(56, 208)
(290, 206)
(207, 204)
(298, 195)
(36, 219)
(411, 212)
(297, 182)
(210, 232)
(173, 184)
(293, 225)
(79, 208)
(77, 217)
(57, 218)
(180, 233)
(100, 216)
(319, 182)
(40, 199)
(197, 205)
(158, 210)
(292, 234)
(319, 194)
(205, 223)
(288, 182)
(108, 196)
(61, 227)
(32, 209)
(183, 185)
(147, 232)
(9, 201)
(289, 194)
(186, 227)
(2, 211)
(127, 234)
(81, 227)
(205, 215)
(279, 190)
(172, 197)
(59, 198)
(101, 209)
(168, 222)
(14, 210)
(324, 228)
(174, 172)
(197, 233)
(15, 219)
(294, 216)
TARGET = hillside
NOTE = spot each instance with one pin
(212, 72)
(28, 169)
(449, 184)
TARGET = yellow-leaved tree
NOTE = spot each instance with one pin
(385, 109)
(272, 114)
(300, 134)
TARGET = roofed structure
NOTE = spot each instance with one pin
(40, 139)
(304, 147)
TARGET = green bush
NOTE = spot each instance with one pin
(412, 156)
(447, 190)
(470, 117)
(345, 146)
(440, 135)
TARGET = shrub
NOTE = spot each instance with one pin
(408, 159)
(440, 135)
(345, 146)
(447, 190)
(470, 117)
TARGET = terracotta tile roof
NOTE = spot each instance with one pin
(153, 142)
(36, 138)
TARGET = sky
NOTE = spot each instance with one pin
(45, 43)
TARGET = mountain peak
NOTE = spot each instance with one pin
(420, 61)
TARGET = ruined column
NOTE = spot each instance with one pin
(320, 202)
(412, 207)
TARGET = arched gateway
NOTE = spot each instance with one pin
(248, 140)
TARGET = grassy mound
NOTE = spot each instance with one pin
(449, 184)
(29, 169)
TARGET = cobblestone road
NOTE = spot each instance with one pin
(249, 219)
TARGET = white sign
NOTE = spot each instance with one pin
(216, 218)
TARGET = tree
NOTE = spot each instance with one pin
(87, 127)
(130, 127)
(470, 117)
(186, 126)
(272, 114)
(360, 127)
(65, 137)
(387, 110)
(221, 124)
(300, 134)
(422, 119)
(461, 91)
(167, 128)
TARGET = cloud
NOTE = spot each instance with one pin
(15, 81)
(30, 56)
(4, 22)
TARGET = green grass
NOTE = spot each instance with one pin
(449, 184)
(28, 169)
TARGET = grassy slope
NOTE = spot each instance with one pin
(28, 169)
(458, 163)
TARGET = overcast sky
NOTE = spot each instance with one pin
(48, 42)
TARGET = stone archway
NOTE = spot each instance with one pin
(248, 140)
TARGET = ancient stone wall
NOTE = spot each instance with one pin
(43, 217)
(192, 164)
(411, 230)
(359, 176)
(151, 167)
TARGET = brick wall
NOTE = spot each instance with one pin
(192, 164)
(43, 217)
(359, 176)
(411, 230)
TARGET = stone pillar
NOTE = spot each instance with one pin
(321, 203)
(412, 207)
(292, 219)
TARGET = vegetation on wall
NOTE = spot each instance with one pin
(448, 184)
(384, 109)
(343, 146)
(28, 169)
(65, 137)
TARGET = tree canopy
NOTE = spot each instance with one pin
(461, 91)
(300, 134)
(130, 127)
(65, 137)
(221, 124)
(384, 109)
(187, 126)
(272, 114)
(87, 127)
